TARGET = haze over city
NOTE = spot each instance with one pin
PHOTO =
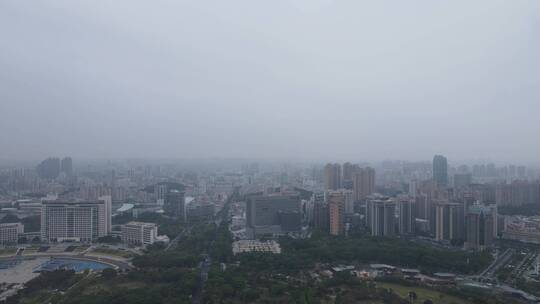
(316, 79)
(284, 151)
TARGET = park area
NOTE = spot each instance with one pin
(422, 294)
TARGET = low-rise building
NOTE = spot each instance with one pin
(10, 232)
(255, 246)
(139, 233)
(523, 229)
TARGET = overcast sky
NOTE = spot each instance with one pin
(323, 79)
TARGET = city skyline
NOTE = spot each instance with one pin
(286, 151)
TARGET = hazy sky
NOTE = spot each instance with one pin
(325, 79)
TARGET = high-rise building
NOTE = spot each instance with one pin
(518, 193)
(423, 206)
(348, 172)
(406, 215)
(107, 200)
(336, 207)
(49, 168)
(66, 166)
(348, 196)
(73, 221)
(363, 183)
(161, 192)
(332, 176)
(175, 204)
(440, 171)
(321, 216)
(448, 225)
(481, 227)
(381, 216)
(413, 188)
(139, 233)
(266, 214)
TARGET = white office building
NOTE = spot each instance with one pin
(75, 221)
(107, 199)
(10, 232)
(139, 233)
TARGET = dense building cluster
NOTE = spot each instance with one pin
(77, 203)
(451, 205)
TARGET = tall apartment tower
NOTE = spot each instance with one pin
(440, 171)
(413, 188)
(66, 166)
(406, 215)
(161, 193)
(336, 207)
(321, 216)
(481, 227)
(423, 206)
(381, 217)
(320, 212)
(107, 200)
(332, 177)
(349, 198)
(363, 183)
(348, 172)
(448, 224)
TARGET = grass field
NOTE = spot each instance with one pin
(113, 252)
(423, 294)
(81, 248)
(7, 251)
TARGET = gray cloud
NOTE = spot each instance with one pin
(315, 79)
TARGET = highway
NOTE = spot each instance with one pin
(522, 267)
(502, 259)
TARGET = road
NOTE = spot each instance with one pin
(489, 272)
(222, 216)
(203, 277)
(174, 242)
(522, 267)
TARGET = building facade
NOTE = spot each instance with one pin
(440, 171)
(481, 223)
(272, 214)
(363, 183)
(321, 215)
(448, 224)
(139, 233)
(407, 216)
(74, 221)
(336, 208)
(10, 232)
(175, 204)
(381, 216)
(332, 176)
